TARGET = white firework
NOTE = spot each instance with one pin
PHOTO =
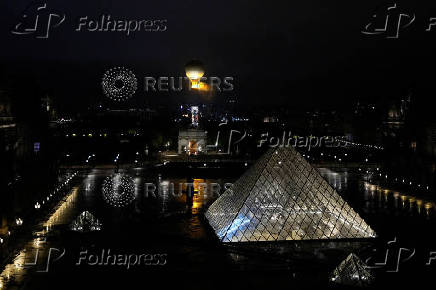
(119, 84)
(118, 190)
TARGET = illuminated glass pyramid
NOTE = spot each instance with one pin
(282, 197)
(86, 222)
(352, 272)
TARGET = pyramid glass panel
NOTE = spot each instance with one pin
(352, 272)
(282, 197)
(86, 222)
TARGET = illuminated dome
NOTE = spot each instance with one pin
(194, 69)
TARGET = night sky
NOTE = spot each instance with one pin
(303, 52)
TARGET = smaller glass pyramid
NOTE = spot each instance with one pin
(352, 272)
(86, 222)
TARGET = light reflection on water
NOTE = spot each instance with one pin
(15, 272)
(172, 200)
(384, 198)
(377, 198)
(338, 180)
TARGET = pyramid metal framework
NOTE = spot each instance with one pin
(86, 222)
(282, 197)
(352, 272)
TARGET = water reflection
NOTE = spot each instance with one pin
(397, 200)
(171, 199)
(15, 272)
(376, 198)
(338, 180)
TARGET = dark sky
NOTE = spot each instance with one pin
(308, 52)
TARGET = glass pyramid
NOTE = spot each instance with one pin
(282, 197)
(352, 272)
(86, 222)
